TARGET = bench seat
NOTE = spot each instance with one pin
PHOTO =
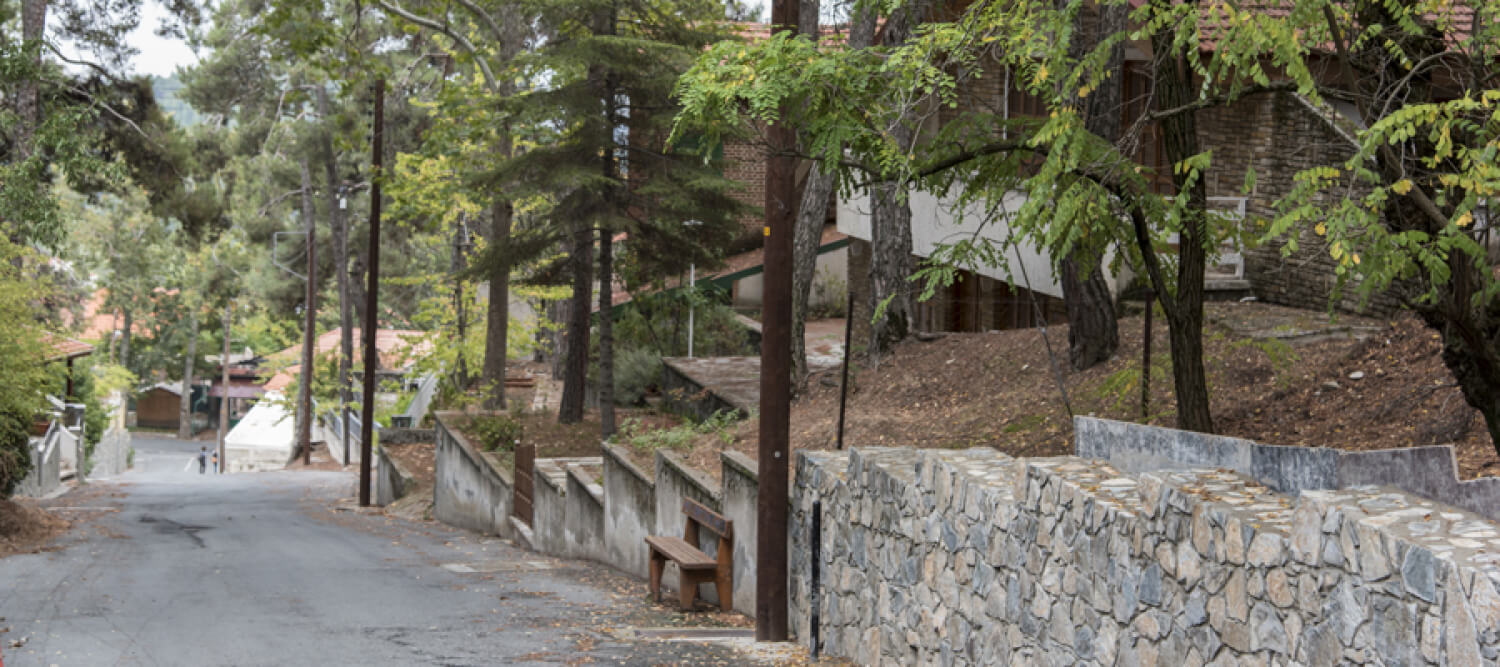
(687, 556)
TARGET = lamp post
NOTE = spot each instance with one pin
(692, 284)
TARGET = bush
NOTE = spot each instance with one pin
(721, 424)
(637, 371)
(15, 460)
(497, 432)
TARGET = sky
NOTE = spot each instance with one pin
(161, 56)
(158, 56)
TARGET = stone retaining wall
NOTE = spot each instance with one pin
(961, 557)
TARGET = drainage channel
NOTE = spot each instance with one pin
(498, 566)
(686, 634)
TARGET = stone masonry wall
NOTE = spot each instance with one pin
(1279, 136)
(963, 557)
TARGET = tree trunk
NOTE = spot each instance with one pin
(606, 338)
(185, 407)
(813, 210)
(339, 227)
(1174, 88)
(809, 231)
(125, 338)
(1093, 332)
(497, 312)
(891, 263)
(576, 367)
(28, 99)
(310, 320)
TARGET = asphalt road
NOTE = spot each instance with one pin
(169, 567)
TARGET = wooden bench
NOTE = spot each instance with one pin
(694, 566)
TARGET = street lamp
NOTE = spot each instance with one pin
(692, 283)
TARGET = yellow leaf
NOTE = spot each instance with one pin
(1355, 256)
(1402, 186)
(1464, 220)
(1321, 229)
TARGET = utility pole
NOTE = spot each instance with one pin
(776, 368)
(224, 400)
(372, 359)
(309, 333)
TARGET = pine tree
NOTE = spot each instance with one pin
(609, 169)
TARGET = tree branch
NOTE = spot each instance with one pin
(489, 77)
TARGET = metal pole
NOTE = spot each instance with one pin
(692, 282)
(224, 381)
(844, 383)
(815, 548)
(1146, 357)
(309, 333)
(776, 370)
(367, 401)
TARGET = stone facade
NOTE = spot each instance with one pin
(1279, 136)
(973, 557)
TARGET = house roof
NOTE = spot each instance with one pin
(735, 267)
(397, 348)
(62, 347)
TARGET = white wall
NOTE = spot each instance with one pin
(749, 292)
(933, 223)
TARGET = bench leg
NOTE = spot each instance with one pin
(689, 590)
(657, 564)
(724, 583)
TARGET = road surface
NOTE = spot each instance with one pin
(171, 567)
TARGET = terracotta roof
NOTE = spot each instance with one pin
(63, 347)
(1454, 18)
(397, 347)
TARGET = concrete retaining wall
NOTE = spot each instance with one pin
(674, 482)
(549, 511)
(584, 521)
(111, 454)
(1430, 472)
(392, 480)
(740, 491)
(472, 490)
(629, 512)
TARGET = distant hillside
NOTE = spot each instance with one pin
(166, 89)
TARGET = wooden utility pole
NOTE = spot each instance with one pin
(224, 382)
(372, 358)
(310, 320)
(776, 368)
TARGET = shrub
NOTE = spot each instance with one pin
(637, 371)
(721, 425)
(496, 432)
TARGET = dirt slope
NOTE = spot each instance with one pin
(999, 389)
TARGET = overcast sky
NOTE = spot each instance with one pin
(162, 56)
(158, 56)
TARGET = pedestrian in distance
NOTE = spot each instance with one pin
(216, 462)
(202, 460)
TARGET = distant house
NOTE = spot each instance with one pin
(161, 406)
(397, 350)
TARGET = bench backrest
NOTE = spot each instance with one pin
(703, 516)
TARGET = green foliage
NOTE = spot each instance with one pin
(497, 432)
(637, 371)
(23, 351)
(658, 321)
(721, 425)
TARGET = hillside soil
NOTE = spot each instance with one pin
(1276, 375)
